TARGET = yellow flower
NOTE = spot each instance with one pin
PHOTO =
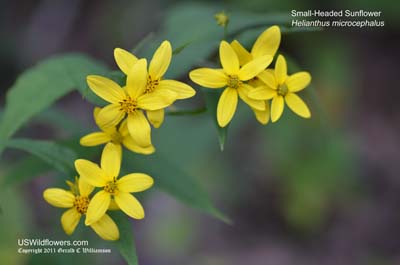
(267, 43)
(232, 76)
(281, 88)
(118, 136)
(78, 201)
(130, 101)
(262, 116)
(106, 177)
(155, 81)
(222, 19)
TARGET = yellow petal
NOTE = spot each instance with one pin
(156, 117)
(139, 128)
(268, 78)
(96, 138)
(298, 81)
(107, 130)
(243, 55)
(132, 145)
(69, 220)
(113, 205)
(135, 182)
(243, 94)
(227, 106)
(129, 205)
(97, 207)
(297, 105)
(229, 59)
(161, 60)
(210, 78)
(182, 90)
(111, 159)
(277, 108)
(280, 69)
(110, 116)
(91, 173)
(137, 79)
(59, 197)
(254, 67)
(156, 100)
(124, 59)
(263, 115)
(123, 128)
(106, 228)
(84, 188)
(262, 93)
(267, 43)
(105, 88)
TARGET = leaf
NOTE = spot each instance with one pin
(61, 120)
(39, 87)
(211, 98)
(174, 181)
(181, 48)
(125, 244)
(33, 166)
(57, 156)
(24, 170)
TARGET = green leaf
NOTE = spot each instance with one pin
(39, 87)
(23, 170)
(57, 156)
(125, 244)
(181, 48)
(211, 98)
(171, 179)
(61, 120)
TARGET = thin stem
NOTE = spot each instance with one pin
(226, 32)
(187, 112)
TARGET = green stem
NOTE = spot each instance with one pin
(187, 112)
(226, 33)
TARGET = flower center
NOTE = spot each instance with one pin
(233, 81)
(282, 90)
(128, 105)
(151, 85)
(111, 187)
(81, 204)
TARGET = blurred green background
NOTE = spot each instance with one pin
(320, 191)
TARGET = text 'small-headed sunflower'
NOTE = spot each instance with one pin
(77, 200)
(282, 88)
(232, 77)
(112, 189)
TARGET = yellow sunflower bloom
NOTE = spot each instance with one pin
(232, 78)
(113, 189)
(155, 77)
(118, 136)
(267, 43)
(130, 101)
(78, 200)
(281, 88)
